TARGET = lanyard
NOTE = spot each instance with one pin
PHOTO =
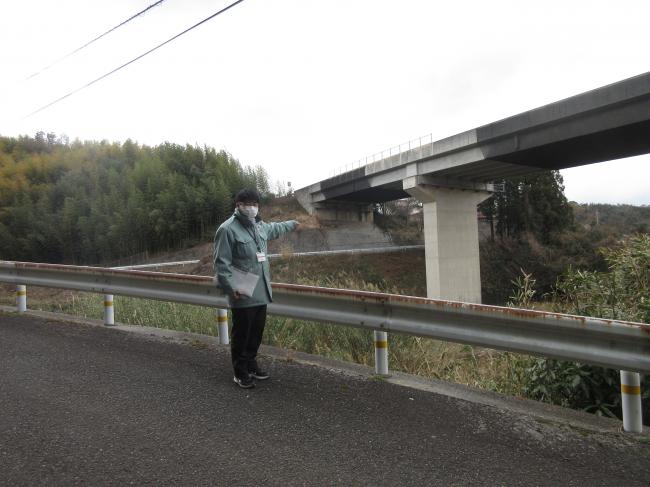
(254, 235)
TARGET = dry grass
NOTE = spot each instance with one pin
(477, 367)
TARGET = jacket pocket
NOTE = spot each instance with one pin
(244, 249)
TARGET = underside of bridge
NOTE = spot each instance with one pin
(606, 145)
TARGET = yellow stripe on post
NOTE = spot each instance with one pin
(632, 390)
(21, 293)
(107, 303)
(381, 344)
(222, 319)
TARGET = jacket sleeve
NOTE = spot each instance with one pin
(222, 259)
(276, 230)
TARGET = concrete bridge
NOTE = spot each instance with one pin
(451, 176)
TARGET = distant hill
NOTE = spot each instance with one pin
(613, 219)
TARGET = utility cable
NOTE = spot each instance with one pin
(95, 39)
(132, 60)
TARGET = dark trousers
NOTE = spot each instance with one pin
(247, 329)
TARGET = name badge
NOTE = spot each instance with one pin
(261, 257)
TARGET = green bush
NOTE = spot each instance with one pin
(622, 292)
(578, 386)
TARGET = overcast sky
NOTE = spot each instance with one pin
(302, 87)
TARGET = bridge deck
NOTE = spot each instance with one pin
(610, 122)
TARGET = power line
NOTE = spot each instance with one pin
(133, 60)
(95, 39)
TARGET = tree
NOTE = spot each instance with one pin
(534, 204)
(93, 202)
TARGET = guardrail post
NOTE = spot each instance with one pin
(222, 321)
(21, 298)
(631, 402)
(109, 310)
(381, 353)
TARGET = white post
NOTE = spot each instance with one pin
(21, 298)
(109, 310)
(381, 353)
(631, 402)
(222, 321)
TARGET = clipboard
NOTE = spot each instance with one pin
(244, 282)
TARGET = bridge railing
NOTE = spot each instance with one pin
(609, 343)
(377, 157)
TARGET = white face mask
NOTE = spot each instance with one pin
(248, 211)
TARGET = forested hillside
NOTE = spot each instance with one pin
(613, 219)
(91, 202)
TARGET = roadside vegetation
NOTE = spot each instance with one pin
(622, 292)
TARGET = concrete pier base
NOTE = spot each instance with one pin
(450, 240)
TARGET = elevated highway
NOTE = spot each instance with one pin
(603, 124)
(451, 176)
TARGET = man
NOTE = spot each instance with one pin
(242, 271)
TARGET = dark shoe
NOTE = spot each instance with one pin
(244, 382)
(259, 374)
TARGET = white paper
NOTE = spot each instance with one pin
(244, 282)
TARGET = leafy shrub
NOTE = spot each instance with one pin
(578, 386)
(623, 292)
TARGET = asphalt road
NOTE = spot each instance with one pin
(84, 405)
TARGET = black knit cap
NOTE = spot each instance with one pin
(247, 195)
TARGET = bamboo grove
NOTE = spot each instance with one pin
(94, 202)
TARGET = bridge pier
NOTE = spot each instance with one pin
(450, 238)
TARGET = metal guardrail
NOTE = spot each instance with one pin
(156, 265)
(609, 343)
(371, 250)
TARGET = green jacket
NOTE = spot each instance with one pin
(235, 246)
